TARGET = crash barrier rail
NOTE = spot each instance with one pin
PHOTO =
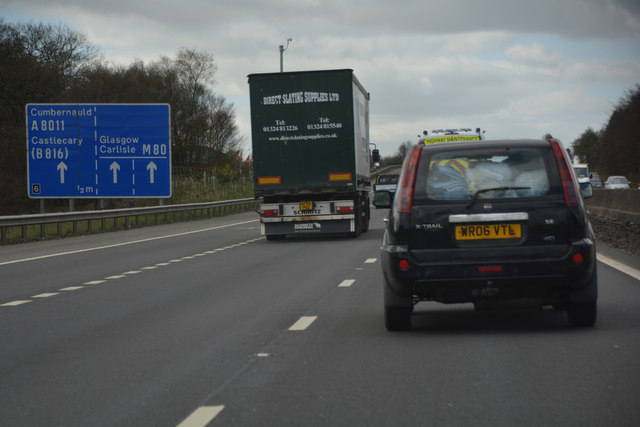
(172, 213)
(622, 205)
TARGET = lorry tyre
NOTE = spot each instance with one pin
(357, 220)
(367, 216)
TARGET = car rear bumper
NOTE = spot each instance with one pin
(561, 275)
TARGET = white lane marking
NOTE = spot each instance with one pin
(119, 276)
(371, 260)
(202, 416)
(72, 288)
(46, 295)
(346, 283)
(128, 243)
(187, 257)
(619, 266)
(153, 267)
(14, 303)
(303, 323)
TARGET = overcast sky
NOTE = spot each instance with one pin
(515, 68)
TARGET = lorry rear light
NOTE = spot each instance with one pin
(345, 209)
(571, 196)
(269, 212)
(407, 180)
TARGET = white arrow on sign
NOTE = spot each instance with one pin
(115, 167)
(151, 167)
(62, 167)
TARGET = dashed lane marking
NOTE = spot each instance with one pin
(71, 288)
(15, 303)
(120, 276)
(346, 283)
(128, 243)
(303, 323)
(371, 260)
(45, 295)
(202, 416)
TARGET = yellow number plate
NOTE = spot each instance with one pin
(488, 231)
(306, 205)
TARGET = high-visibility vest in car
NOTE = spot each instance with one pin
(461, 165)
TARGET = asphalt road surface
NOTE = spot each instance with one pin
(206, 322)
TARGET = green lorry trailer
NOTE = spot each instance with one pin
(311, 159)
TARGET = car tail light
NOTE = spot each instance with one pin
(345, 209)
(270, 212)
(571, 196)
(578, 258)
(403, 264)
(407, 180)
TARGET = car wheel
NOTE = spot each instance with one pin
(397, 319)
(582, 314)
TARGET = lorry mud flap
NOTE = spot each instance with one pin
(311, 227)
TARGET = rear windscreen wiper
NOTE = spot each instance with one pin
(486, 190)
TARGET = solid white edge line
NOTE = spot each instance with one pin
(303, 323)
(202, 416)
(127, 243)
(619, 266)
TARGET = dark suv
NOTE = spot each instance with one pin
(495, 223)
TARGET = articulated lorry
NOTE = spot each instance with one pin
(311, 160)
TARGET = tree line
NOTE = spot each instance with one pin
(42, 63)
(614, 149)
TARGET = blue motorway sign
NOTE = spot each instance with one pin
(98, 150)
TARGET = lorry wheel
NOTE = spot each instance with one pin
(365, 220)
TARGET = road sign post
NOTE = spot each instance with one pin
(98, 150)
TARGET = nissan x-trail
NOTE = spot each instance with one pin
(494, 223)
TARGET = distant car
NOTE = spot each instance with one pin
(595, 180)
(385, 183)
(616, 183)
(497, 224)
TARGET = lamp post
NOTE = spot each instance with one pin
(282, 49)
